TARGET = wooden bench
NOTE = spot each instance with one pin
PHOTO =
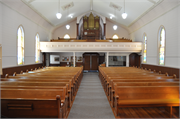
(146, 96)
(111, 90)
(49, 78)
(33, 103)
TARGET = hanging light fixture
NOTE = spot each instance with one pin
(124, 15)
(67, 26)
(115, 26)
(58, 15)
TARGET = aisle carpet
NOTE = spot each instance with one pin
(91, 101)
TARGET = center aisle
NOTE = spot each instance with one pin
(91, 100)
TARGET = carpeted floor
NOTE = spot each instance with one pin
(91, 101)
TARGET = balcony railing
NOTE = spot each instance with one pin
(91, 46)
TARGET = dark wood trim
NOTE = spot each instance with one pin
(134, 60)
(77, 30)
(44, 59)
(163, 69)
(105, 30)
(18, 69)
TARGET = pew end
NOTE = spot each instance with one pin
(7, 76)
(14, 74)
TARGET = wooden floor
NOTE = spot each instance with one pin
(146, 112)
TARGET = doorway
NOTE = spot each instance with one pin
(90, 61)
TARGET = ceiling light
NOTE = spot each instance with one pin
(67, 27)
(124, 15)
(58, 15)
(71, 16)
(115, 27)
(111, 17)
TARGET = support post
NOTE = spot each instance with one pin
(74, 60)
(77, 31)
(127, 60)
(107, 59)
(104, 30)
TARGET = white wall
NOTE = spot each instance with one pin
(11, 19)
(61, 31)
(169, 19)
(121, 32)
(1, 22)
(179, 34)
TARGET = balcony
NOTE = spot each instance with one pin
(91, 47)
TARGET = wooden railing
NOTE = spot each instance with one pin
(90, 40)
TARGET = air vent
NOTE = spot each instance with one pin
(68, 6)
(114, 6)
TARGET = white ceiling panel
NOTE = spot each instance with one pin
(134, 8)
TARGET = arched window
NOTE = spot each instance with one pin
(145, 48)
(37, 49)
(20, 38)
(161, 45)
(115, 36)
(66, 36)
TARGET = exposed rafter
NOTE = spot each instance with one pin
(30, 1)
(152, 1)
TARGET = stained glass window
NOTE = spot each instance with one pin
(37, 49)
(145, 49)
(115, 36)
(162, 46)
(20, 37)
(66, 36)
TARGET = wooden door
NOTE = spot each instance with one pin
(90, 61)
(86, 62)
(94, 62)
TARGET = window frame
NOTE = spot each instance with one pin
(22, 28)
(158, 48)
(68, 35)
(144, 47)
(116, 35)
(37, 49)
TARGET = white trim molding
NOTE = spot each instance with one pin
(91, 47)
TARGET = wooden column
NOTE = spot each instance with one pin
(105, 30)
(77, 30)
(74, 60)
(107, 59)
(44, 59)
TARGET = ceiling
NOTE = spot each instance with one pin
(134, 8)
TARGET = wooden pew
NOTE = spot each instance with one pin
(112, 90)
(133, 77)
(74, 86)
(49, 78)
(70, 91)
(146, 96)
(32, 103)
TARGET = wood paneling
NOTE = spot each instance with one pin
(78, 64)
(134, 60)
(90, 61)
(95, 62)
(86, 60)
(163, 69)
(18, 69)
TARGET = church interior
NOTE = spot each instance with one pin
(90, 58)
